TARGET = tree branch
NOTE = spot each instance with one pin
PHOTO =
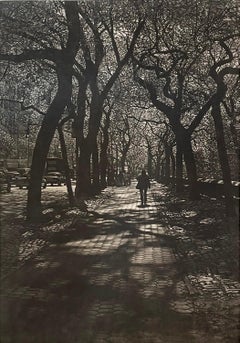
(23, 107)
(48, 54)
(124, 60)
(99, 49)
(167, 110)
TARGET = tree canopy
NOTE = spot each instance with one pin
(158, 76)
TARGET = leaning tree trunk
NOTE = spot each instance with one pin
(66, 166)
(223, 159)
(64, 64)
(44, 138)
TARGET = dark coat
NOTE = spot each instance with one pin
(143, 182)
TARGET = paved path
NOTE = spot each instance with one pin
(114, 279)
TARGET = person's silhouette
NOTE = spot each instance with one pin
(143, 185)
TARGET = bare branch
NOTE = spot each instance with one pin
(5, 71)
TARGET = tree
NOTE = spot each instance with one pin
(172, 68)
(97, 69)
(216, 114)
(43, 49)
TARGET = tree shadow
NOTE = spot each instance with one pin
(111, 275)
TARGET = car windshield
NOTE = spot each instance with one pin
(54, 173)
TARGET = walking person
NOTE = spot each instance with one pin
(143, 185)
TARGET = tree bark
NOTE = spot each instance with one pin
(124, 156)
(87, 145)
(157, 171)
(95, 169)
(173, 165)
(184, 151)
(223, 158)
(167, 162)
(44, 138)
(104, 159)
(179, 167)
(64, 60)
(235, 140)
(149, 162)
(66, 167)
(189, 160)
(83, 182)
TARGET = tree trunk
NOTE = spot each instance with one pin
(189, 160)
(123, 161)
(44, 138)
(179, 168)
(104, 160)
(149, 165)
(157, 171)
(83, 182)
(103, 169)
(173, 165)
(103, 152)
(223, 158)
(66, 167)
(87, 146)
(124, 157)
(95, 169)
(235, 140)
(162, 172)
(167, 163)
(116, 166)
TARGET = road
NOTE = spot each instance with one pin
(13, 204)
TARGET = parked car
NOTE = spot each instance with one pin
(5, 185)
(23, 171)
(54, 178)
(23, 182)
(13, 175)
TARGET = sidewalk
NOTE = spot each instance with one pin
(110, 278)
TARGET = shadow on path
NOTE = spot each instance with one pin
(111, 279)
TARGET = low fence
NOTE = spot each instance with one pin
(215, 188)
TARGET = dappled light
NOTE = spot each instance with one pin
(119, 272)
(119, 171)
